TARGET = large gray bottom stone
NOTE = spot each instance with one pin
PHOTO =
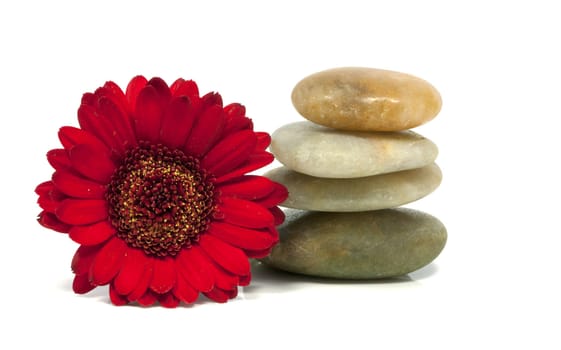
(361, 245)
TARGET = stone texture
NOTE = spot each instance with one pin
(319, 151)
(360, 194)
(366, 99)
(364, 245)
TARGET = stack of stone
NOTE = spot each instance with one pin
(347, 170)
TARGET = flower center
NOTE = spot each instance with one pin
(160, 200)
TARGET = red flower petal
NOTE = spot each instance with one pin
(234, 110)
(99, 126)
(168, 300)
(277, 196)
(254, 162)
(230, 258)
(237, 124)
(92, 234)
(162, 89)
(83, 259)
(82, 211)
(44, 188)
(258, 254)
(56, 195)
(236, 119)
(147, 299)
(49, 197)
(229, 153)
(88, 99)
(278, 214)
(142, 286)
(109, 115)
(114, 92)
(212, 98)
(184, 291)
(263, 141)
(116, 298)
(195, 270)
(175, 85)
(177, 122)
(58, 159)
(272, 232)
(164, 276)
(205, 132)
(248, 187)
(81, 284)
(75, 186)
(189, 89)
(241, 237)
(148, 114)
(92, 162)
(183, 87)
(49, 220)
(120, 121)
(47, 203)
(133, 89)
(224, 279)
(70, 136)
(132, 271)
(221, 296)
(108, 261)
(244, 280)
(245, 213)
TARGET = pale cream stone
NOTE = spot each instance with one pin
(359, 194)
(366, 99)
(319, 151)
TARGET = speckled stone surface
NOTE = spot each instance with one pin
(359, 194)
(364, 245)
(319, 151)
(366, 99)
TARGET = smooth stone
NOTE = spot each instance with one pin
(366, 99)
(319, 151)
(359, 194)
(362, 245)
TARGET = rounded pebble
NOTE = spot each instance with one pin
(364, 245)
(319, 151)
(359, 194)
(366, 99)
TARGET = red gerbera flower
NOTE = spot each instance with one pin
(153, 187)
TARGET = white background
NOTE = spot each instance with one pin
(497, 65)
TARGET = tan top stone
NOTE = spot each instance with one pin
(366, 99)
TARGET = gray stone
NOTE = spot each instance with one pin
(359, 194)
(319, 151)
(363, 245)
